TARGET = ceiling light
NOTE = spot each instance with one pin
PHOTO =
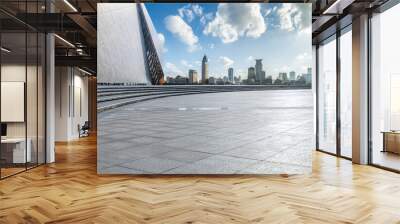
(65, 41)
(337, 7)
(70, 5)
(5, 50)
(84, 71)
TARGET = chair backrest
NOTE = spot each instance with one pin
(86, 125)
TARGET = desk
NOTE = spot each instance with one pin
(391, 141)
(18, 149)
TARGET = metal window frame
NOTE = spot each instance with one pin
(389, 4)
(386, 6)
(337, 34)
(44, 75)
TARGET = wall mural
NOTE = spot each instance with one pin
(215, 88)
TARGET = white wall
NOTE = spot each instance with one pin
(34, 125)
(17, 73)
(70, 83)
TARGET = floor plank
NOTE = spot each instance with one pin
(70, 191)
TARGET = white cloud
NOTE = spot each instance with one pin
(267, 12)
(182, 31)
(226, 61)
(186, 64)
(250, 58)
(193, 48)
(161, 42)
(303, 56)
(187, 13)
(205, 18)
(284, 68)
(235, 20)
(294, 16)
(303, 61)
(197, 9)
(212, 46)
(190, 11)
(172, 70)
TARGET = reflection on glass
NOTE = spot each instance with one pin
(327, 96)
(22, 93)
(386, 89)
(41, 98)
(31, 100)
(14, 153)
(346, 93)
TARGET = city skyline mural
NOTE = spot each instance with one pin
(204, 88)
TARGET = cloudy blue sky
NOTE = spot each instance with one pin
(233, 35)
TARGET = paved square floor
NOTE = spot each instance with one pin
(254, 132)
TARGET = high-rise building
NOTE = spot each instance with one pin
(204, 70)
(127, 67)
(230, 75)
(283, 76)
(251, 75)
(212, 81)
(262, 78)
(309, 76)
(193, 78)
(237, 79)
(258, 69)
(292, 76)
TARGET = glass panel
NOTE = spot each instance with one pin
(386, 89)
(41, 99)
(327, 96)
(13, 89)
(23, 91)
(346, 93)
(32, 89)
(31, 98)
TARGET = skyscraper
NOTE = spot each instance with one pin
(262, 76)
(258, 69)
(292, 76)
(251, 75)
(309, 76)
(193, 79)
(283, 76)
(204, 70)
(230, 75)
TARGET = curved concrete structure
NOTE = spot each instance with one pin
(124, 58)
(109, 97)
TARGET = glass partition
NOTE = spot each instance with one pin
(13, 114)
(327, 95)
(346, 92)
(41, 97)
(22, 88)
(31, 99)
(385, 89)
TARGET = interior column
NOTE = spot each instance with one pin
(360, 90)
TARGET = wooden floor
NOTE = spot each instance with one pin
(70, 191)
